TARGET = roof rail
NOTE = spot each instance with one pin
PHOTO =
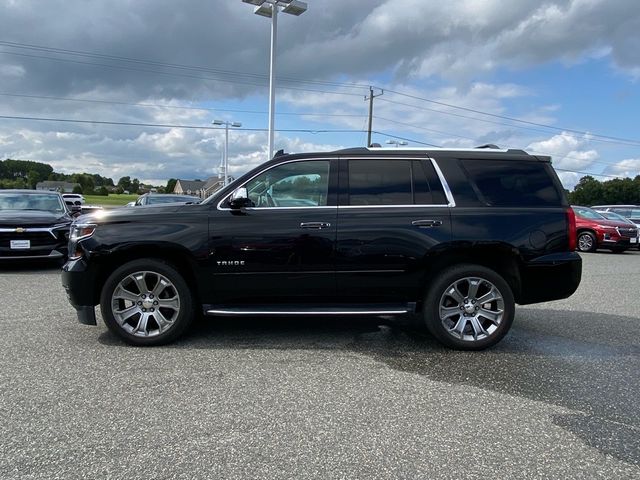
(489, 145)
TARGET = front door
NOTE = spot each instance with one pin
(281, 249)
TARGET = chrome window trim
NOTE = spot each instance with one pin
(447, 190)
(218, 207)
(441, 205)
(443, 181)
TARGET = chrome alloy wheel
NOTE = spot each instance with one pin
(585, 242)
(471, 309)
(145, 304)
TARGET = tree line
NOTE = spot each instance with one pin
(27, 174)
(590, 191)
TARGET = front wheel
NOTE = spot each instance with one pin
(469, 307)
(146, 302)
(587, 242)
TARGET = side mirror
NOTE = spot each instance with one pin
(75, 210)
(239, 199)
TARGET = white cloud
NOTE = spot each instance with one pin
(625, 168)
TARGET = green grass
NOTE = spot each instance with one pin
(113, 200)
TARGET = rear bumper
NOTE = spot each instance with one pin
(78, 281)
(551, 277)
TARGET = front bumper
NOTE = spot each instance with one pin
(551, 277)
(78, 281)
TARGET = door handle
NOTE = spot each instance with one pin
(315, 225)
(426, 223)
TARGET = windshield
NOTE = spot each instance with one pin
(614, 216)
(588, 213)
(31, 201)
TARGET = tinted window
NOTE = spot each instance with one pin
(505, 183)
(295, 184)
(380, 182)
(437, 191)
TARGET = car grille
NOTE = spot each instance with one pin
(37, 239)
(627, 232)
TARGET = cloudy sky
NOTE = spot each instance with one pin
(130, 87)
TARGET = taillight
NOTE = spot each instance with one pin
(571, 229)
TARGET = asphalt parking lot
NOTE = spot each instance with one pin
(299, 398)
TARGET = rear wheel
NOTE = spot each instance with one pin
(469, 307)
(147, 302)
(587, 242)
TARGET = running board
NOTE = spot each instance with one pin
(316, 310)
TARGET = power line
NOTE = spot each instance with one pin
(167, 125)
(61, 51)
(513, 119)
(499, 123)
(196, 68)
(554, 155)
(174, 74)
(156, 105)
(586, 173)
(412, 140)
(289, 130)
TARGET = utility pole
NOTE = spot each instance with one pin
(370, 98)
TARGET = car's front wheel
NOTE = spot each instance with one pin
(147, 302)
(469, 307)
(587, 242)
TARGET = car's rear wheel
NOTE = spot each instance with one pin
(147, 302)
(587, 242)
(469, 307)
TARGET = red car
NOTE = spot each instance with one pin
(595, 231)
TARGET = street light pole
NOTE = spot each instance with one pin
(272, 79)
(270, 8)
(226, 145)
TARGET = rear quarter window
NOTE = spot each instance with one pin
(512, 183)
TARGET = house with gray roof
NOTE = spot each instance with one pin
(201, 188)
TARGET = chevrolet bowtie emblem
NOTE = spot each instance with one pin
(20, 230)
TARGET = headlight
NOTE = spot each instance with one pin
(81, 231)
(606, 227)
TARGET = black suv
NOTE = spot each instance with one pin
(458, 236)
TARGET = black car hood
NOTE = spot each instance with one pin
(125, 214)
(32, 218)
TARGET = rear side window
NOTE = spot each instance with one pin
(510, 183)
(380, 182)
(394, 182)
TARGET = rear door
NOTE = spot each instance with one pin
(392, 213)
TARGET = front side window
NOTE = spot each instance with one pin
(295, 184)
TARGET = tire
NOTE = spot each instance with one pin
(587, 242)
(147, 302)
(457, 319)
